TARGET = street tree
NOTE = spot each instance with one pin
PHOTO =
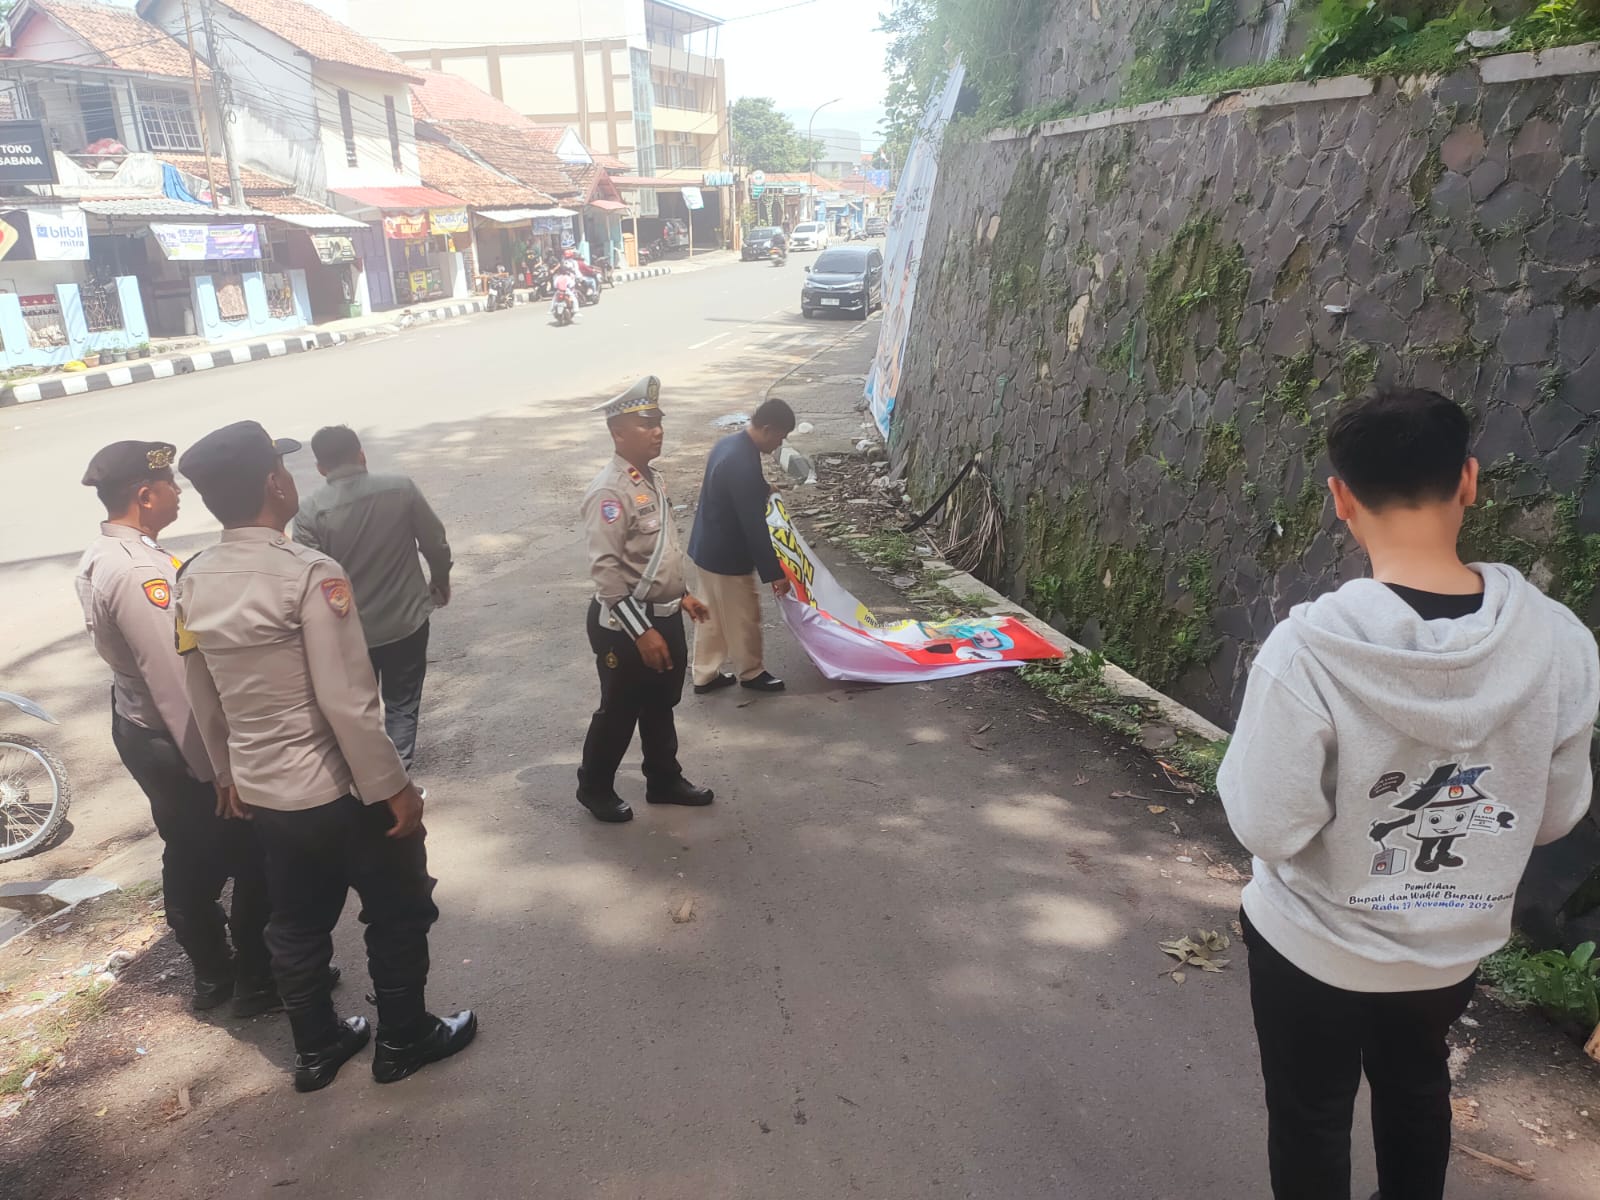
(766, 140)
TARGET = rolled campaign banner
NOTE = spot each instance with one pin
(845, 641)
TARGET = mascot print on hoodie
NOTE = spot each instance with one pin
(1441, 809)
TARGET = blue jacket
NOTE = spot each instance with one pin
(730, 526)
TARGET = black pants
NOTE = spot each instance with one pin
(314, 857)
(1316, 1040)
(401, 667)
(633, 696)
(200, 853)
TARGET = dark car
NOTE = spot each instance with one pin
(877, 227)
(757, 242)
(849, 279)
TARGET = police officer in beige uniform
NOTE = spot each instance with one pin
(284, 694)
(124, 582)
(636, 618)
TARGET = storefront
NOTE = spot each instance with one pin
(426, 241)
(323, 246)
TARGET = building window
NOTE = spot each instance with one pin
(394, 131)
(13, 101)
(167, 115)
(674, 155)
(99, 111)
(348, 124)
(669, 95)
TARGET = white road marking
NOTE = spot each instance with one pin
(710, 340)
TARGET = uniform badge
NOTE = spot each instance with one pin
(158, 592)
(642, 498)
(611, 660)
(610, 510)
(337, 593)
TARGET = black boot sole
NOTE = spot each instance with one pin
(394, 1071)
(608, 813)
(314, 1079)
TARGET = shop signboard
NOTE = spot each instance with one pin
(198, 243)
(692, 200)
(448, 220)
(405, 226)
(552, 224)
(716, 179)
(25, 153)
(758, 183)
(44, 235)
(333, 249)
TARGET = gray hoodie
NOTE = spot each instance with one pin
(1391, 776)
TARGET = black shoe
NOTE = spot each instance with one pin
(610, 808)
(211, 993)
(441, 1037)
(764, 682)
(1427, 864)
(716, 685)
(315, 1069)
(255, 1000)
(679, 791)
(1446, 859)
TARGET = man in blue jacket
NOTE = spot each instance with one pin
(731, 547)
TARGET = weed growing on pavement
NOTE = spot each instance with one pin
(48, 1033)
(1564, 986)
(889, 548)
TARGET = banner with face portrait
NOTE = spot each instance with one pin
(846, 641)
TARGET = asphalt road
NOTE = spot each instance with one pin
(909, 953)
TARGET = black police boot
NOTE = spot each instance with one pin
(608, 807)
(436, 1038)
(679, 791)
(257, 997)
(315, 1069)
(212, 986)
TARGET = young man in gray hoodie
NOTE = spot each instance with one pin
(1405, 742)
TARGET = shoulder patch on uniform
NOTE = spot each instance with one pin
(157, 592)
(337, 593)
(610, 511)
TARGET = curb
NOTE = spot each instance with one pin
(67, 893)
(641, 273)
(205, 360)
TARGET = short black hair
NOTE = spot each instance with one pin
(774, 414)
(335, 445)
(118, 496)
(236, 497)
(1400, 446)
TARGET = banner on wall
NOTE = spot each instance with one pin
(908, 226)
(195, 243)
(44, 235)
(845, 641)
(405, 226)
(448, 220)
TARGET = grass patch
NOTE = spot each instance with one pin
(52, 1030)
(889, 548)
(1564, 986)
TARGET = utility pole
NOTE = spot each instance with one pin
(224, 94)
(199, 106)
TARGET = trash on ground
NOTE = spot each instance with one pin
(684, 913)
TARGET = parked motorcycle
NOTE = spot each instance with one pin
(602, 264)
(34, 792)
(502, 293)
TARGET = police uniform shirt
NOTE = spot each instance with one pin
(627, 518)
(124, 584)
(278, 674)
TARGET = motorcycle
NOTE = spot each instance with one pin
(565, 305)
(34, 791)
(539, 280)
(502, 293)
(779, 255)
(588, 289)
(602, 264)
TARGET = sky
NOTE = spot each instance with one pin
(809, 52)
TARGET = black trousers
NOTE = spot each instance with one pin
(1316, 1040)
(401, 667)
(200, 853)
(314, 857)
(632, 696)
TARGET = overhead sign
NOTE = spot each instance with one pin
(26, 155)
(692, 199)
(448, 220)
(333, 249)
(195, 243)
(403, 227)
(716, 179)
(758, 183)
(44, 235)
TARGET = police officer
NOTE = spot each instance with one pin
(287, 704)
(636, 618)
(125, 583)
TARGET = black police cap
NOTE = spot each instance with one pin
(241, 449)
(122, 463)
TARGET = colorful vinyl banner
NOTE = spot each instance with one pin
(405, 226)
(846, 641)
(908, 225)
(448, 220)
(195, 243)
(44, 235)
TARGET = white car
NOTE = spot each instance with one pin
(809, 235)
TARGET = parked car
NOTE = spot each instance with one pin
(809, 235)
(877, 227)
(848, 279)
(757, 242)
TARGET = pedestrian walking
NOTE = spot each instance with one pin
(636, 617)
(1405, 742)
(731, 546)
(285, 698)
(374, 526)
(125, 581)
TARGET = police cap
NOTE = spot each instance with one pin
(123, 463)
(642, 397)
(243, 449)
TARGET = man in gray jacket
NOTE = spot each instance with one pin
(374, 526)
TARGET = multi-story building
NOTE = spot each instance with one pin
(838, 152)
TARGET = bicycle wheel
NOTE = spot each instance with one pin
(34, 795)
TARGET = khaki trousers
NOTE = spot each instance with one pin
(734, 631)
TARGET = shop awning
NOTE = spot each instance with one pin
(319, 220)
(512, 216)
(398, 199)
(555, 212)
(608, 205)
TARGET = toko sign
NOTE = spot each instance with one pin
(26, 155)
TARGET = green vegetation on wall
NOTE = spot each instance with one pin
(1016, 258)
(1195, 272)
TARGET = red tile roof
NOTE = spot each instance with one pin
(445, 97)
(479, 186)
(516, 152)
(253, 180)
(292, 205)
(118, 35)
(314, 32)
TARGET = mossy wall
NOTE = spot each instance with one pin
(1146, 328)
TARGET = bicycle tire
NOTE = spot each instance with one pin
(58, 809)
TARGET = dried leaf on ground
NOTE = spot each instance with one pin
(1199, 949)
(1158, 809)
(1080, 780)
(984, 728)
(182, 1108)
(684, 913)
(1129, 796)
(1226, 872)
